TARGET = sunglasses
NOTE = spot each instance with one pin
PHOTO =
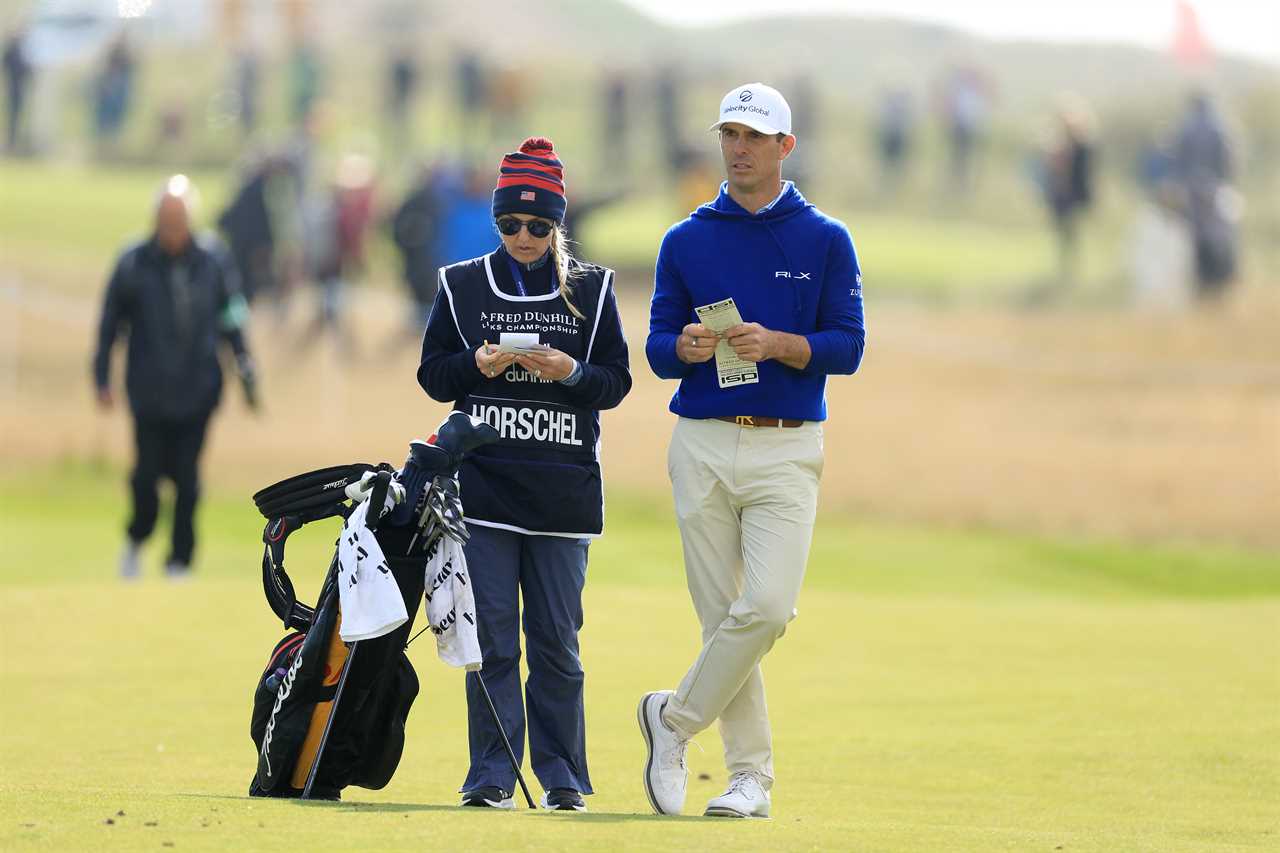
(511, 226)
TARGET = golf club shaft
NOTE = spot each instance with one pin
(328, 723)
(493, 712)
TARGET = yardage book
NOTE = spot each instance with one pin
(730, 370)
(519, 343)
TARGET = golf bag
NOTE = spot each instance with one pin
(328, 714)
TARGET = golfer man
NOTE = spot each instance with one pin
(746, 453)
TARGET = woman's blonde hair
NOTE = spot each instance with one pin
(566, 270)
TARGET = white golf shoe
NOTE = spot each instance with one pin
(666, 777)
(176, 571)
(129, 568)
(745, 797)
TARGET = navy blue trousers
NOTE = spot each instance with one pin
(548, 574)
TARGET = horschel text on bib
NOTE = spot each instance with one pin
(532, 423)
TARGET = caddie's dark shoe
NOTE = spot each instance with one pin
(563, 800)
(490, 797)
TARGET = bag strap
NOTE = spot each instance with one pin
(276, 585)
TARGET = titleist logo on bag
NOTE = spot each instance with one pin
(286, 687)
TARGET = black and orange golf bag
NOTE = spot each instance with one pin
(328, 714)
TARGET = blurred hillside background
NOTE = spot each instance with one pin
(1040, 358)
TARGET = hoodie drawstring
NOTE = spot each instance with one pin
(725, 208)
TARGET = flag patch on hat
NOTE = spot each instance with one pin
(528, 195)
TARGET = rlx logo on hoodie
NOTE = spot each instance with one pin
(796, 275)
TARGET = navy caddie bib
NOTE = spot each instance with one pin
(543, 474)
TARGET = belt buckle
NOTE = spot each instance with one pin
(745, 420)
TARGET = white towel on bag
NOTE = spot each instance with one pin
(451, 606)
(368, 593)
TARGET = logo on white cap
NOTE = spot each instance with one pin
(758, 106)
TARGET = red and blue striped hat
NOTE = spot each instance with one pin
(531, 181)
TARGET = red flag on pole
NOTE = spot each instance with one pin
(1190, 47)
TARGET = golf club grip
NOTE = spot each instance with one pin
(377, 497)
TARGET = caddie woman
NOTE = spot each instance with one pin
(528, 337)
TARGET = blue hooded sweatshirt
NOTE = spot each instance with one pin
(788, 267)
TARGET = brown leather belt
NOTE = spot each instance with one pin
(757, 421)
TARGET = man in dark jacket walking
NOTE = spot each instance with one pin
(177, 297)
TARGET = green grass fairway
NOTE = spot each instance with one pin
(941, 691)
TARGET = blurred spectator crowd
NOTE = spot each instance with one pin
(290, 222)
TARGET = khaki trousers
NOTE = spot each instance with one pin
(745, 500)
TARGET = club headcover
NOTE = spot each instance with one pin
(460, 433)
(437, 460)
(424, 462)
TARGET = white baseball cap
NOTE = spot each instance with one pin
(758, 106)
